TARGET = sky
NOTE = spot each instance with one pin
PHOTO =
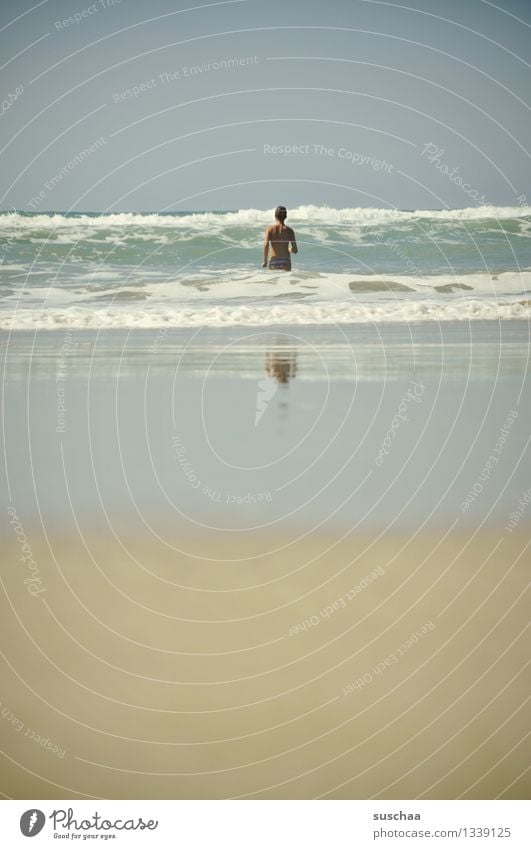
(122, 105)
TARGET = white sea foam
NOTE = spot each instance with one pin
(256, 285)
(270, 314)
(255, 217)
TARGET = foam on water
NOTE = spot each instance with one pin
(245, 217)
(255, 316)
(129, 313)
(252, 297)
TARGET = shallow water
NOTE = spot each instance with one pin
(329, 427)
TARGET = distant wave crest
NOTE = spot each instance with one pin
(360, 216)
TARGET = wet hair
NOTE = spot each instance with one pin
(281, 213)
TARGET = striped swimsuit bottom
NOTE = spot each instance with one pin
(280, 263)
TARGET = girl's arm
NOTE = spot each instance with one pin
(294, 249)
(266, 248)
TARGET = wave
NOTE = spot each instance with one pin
(266, 315)
(361, 216)
(258, 286)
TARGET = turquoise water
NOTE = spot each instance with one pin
(204, 269)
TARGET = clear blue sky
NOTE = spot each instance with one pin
(357, 88)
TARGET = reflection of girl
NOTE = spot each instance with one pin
(280, 237)
(282, 368)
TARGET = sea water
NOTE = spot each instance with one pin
(203, 269)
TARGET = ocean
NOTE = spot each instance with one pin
(203, 269)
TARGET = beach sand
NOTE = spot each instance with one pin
(387, 668)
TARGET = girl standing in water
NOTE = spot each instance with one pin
(282, 241)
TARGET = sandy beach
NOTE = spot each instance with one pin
(368, 668)
(207, 596)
